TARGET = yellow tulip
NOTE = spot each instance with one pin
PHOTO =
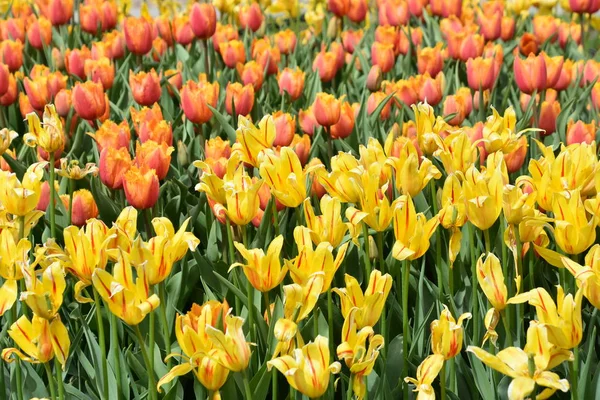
(72, 170)
(241, 198)
(573, 231)
(262, 270)
(329, 226)
(376, 210)
(453, 213)
(308, 369)
(411, 230)
(124, 232)
(428, 127)
(284, 175)
(341, 182)
(447, 334)
(491, 280)
(39, 340)
(412, 173)
(20, 198)
(162, 251)
(483, 196)
(44, 297)
(499, 132)
(373, 159)
(86, 250)
(252, 140)
(298, 303)
(310, 260)
(229, 346)
(13, 257)
(426, 373)
(516, 203)
(48, 134)
(456, 152)
(587, 275)
(359, 357)
(514, 362)
(562, 320)
(193, 340)
(6, 137)
(370, 304)
(127, 298)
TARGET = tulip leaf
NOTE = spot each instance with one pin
(480, 373)
(236, 292)
(17, 167)
(395, 361)
(229, 130)
(107, 207)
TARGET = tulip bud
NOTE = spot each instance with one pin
(75, 61)
(374, 101)
(351, 39)
(59, 12)
(285, 128)
(239, 99)
(89, 100)
(138, 35)
(480, 73)
(326, 64)
(507, 31)
(286, 41)
(333, 27)
(145, 87)
(515, 159)
(62, 102)
(292, 82)
(251, 73)
(84, 206)
(549, 111)
(490, 25)
(308, 122)
(430, 90)
(223, 34)
(25, 105)
(158, 130)
(156, 156)
(301, 146)
(195, 99)
(530, 74)
(10, 96)
(327, 109)
(39, 32)
(528, 44)
(580, 132)
(382, 55)
(545, 27)
(584, 6)
(37, 92)
(455, 104)
(345, 125)
(554, 67)
(374, 78)
(141, 187)
(232, 52)
(182, 30)
(112, 166)
(182, 154)
(203, 19)
(11, 54)
(393, 12)
(250, 17)
(357, 11)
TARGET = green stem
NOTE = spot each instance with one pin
(247, 390)
(574, 371)
(330, 322)
(443, 382)
(506, 323)
(52, 205)
(383, 311)
(102, 344)
(405, 286)
(531, 369)
(238, 303)
(329, 144)
(50, 380)
(71, 191)
(149, 366)
(453, 375)
(316, 322)
(59, 379)
(271, 322)
(115, 341)
(488, 242)
(368, 267)
(474, 284)
(349, 392)
(163, 321)
(275, 217)
(151, 341)
(249, 290)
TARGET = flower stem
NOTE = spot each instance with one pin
(151, 341)
(52, 206)
(330, 322)
(102, 344)
(349, 392)
(149, 366)
(574, 371)
(163, 321)
(474, 285)
(506, 323)
(71, 190)
(247, 390)
(368, 268)
(405, 286)
(59, 380)
(443, 382)
(115, 339)
(50, 380)
(382, 268)
(488, 242)
(238, 303)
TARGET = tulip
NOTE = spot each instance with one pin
(39, 32)
(233, 52)
(286, 41)
(507, 31)
(250, 17)
(447, 334)
(239, 99)
(375, 100)
(59, 12)
(480, 73)
(359, 357)
(374, 78)
(382, 55)
(327, 109)
(327, 227)
(308, 121)
(490, 25)
(463, 45)
(190, 330)
(182, 30)
(301, 146)
(75, 61)
(345, 125)
(426, 373)
(284, 176)
(573, 232)
(584, 6)
(145, 87)
(369, 305)
(580, 132)
(88, 100)
(195, 99)
(411, 230)
(19, 198)
(252, 140)
(430, 90)
(84, 206)
(491, 281)
(263, 271)
(291, 81)
(549, 111)
(530, 74)
(128, 299)
(251, 73)
(545, 27)
(102, 71)
(138, 35)
(112, 135)
(455, 105)
(37, 92)
(14, 256)
(404, 92)
(483, 196)
(4, 78)
(553, 69)
(50, 137)
(569, 30)
(430, 60)
(11, 54)
(230, 348)
(13, 29)
(39, 339)
(394, 13)
(586, 275)
(224, 33)
(326, 65)
(285, 127)
(515, 363)
(10, 96)
(309, 369)
(203, 19)
(153, 155)
(141, 187)
(357, 10)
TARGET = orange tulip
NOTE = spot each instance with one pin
(326, 65)
(37, 92)
(13, 29)
(549, 111)
(203, 18)
(84, 206)
(357, 11)
(141, 187)
(515, 159)
(374, 78)
(528, 44)
(89, 100)
(112, 135)
(545, 27)
(292, 82)
(569, 31)
(464, 45)
(251, 73)
(580, 132)
(430, 60)
(250, 17)
(554, 67)
(10, 96)
(530, 73)
(455, 104)
(195, 99)
(39, 32)
(301, 146)
(267, 56)
(59, 12)
(286, 41)
(351, 39)
(11, 54)
(223, 34)
(429, 89)
(25, 105)
(446, 8)
(490, 25)
(182, 30)
(153, 155)
(584, 6)
(112, 166)
(138, 35)
(308, 122)
(102, 70)
(232, 52)
(145, 87)
(507, 31)
(4, 77)
(285, 128)
(374, 101)
(239, 99)
(393, 12)
(382, 55)
(344, 127)
(338, 7)
(75, 61)
(327, 109)
(480, 73)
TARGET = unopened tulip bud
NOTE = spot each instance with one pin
(203, 19)
(182, 154)
(239, 99)
(89, 100)
(374, 78)
(327, 109)
(285, 128)
(138, 35)
(141, 187)
(145, 87)
(580, 132)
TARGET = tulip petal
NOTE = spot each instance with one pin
(8, 295)
(178, 370)
(520, 388)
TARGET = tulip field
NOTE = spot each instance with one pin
(289, 199)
